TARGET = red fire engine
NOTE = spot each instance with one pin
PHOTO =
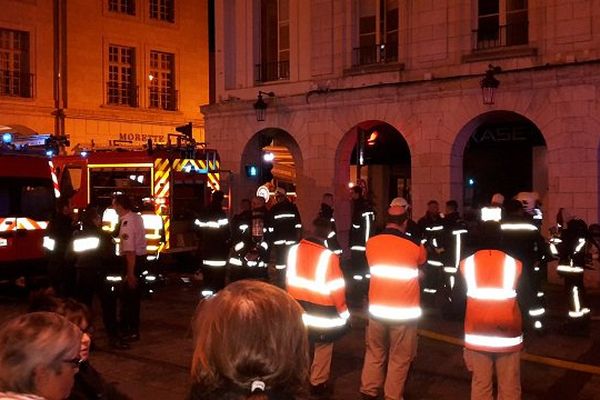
(169, 184)
(28, 192)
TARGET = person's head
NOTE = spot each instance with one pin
(327, 199)
(497, 200)
(249, 332)
(63, 206)
(74, 311)
(218, 197)
(400, 202)
(356, 192)
(258, 202)
(245, 204)
(280, 194)
(451, 206)
(513, 207)
(122, 204)
(528, 200)
(577, 227)
(433, 207)
(90, 218)
(563, 217)
(321, 227)
(39, 354)
(397, 217)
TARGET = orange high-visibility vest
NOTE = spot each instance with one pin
(493, 319)
(315, 279)
(394, 292)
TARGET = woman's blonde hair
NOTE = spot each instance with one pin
(250, 331)
(39, 339)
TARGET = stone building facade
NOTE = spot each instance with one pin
(420, 74)
(103, 70)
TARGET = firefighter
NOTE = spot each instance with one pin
(571, 265)
(213, 225)
(326, 212)
(94, 253)
(154, 227)
(363, 220)
(250, 251)
(315, 280)
(431, 226)
(394, 259)
(239, 222)
(562, 219)
(56, 242)
(453, 241)
(285, 228)
(522, 240)
(531, 206)
(493, 334)
(412, 229)
(132, 249)
(493, 212)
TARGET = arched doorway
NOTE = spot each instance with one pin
(377, 153)
(498, 152)
(272, 158)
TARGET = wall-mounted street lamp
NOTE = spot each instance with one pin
(260, 106)
(489, 84)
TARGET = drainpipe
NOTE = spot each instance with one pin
(58, 71)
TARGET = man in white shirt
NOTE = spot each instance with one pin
(132, 246)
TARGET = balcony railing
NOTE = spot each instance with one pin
(494, 36)
(122, 94)
(16, 84)
(272, 71)
(164, 99)
(375, 54)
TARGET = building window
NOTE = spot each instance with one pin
(122, 6)
(377, 32)
(274, 41)
(501, 23)
(162, 81)
(15, 79)
(121, 88)
(162, 10)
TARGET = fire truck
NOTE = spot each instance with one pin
(168, 183)
(28, 192)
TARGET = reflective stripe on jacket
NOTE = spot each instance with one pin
(315, 279)
(493, 319)
(394, 260)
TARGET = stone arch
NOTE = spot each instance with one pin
(343, 157)
(252, 155)
(477, 126)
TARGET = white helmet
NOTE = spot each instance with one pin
(528, 199)
(400, 202)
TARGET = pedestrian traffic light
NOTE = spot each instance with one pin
(251, 171)
(185, 129)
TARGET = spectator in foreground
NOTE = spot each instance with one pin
(250, 344)
(89, 384)
(39, 357)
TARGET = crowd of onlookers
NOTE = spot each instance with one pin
(250, 344)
